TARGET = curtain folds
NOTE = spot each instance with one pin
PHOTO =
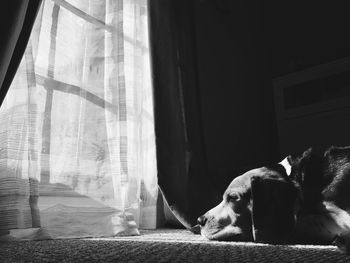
(16, 21)
(182, 171)
(77, 128)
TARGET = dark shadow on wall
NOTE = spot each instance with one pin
(241, 47)
(236, 91)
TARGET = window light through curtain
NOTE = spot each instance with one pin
(77, 153)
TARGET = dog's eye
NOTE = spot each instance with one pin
(232, 197)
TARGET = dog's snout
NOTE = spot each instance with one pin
(202, 220)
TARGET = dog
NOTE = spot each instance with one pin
(303, 199)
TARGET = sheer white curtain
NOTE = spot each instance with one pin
(77, 146)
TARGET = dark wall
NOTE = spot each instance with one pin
(306, 33)
(235, 85)
(241, 46)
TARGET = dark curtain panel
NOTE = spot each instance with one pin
(182, 172)
(16, 21)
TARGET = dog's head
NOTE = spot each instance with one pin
(257, 206)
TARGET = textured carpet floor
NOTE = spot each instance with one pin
(163, 246)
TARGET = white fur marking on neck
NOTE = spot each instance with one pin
(285, 163)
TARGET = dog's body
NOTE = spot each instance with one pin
(305, 198)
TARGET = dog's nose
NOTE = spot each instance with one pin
(202, 220)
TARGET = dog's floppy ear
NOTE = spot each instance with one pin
(273, 202)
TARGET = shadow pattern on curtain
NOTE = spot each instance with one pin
(77, 129)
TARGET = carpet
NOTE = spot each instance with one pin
(163, 245)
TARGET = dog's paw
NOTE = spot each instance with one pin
(342, 241)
